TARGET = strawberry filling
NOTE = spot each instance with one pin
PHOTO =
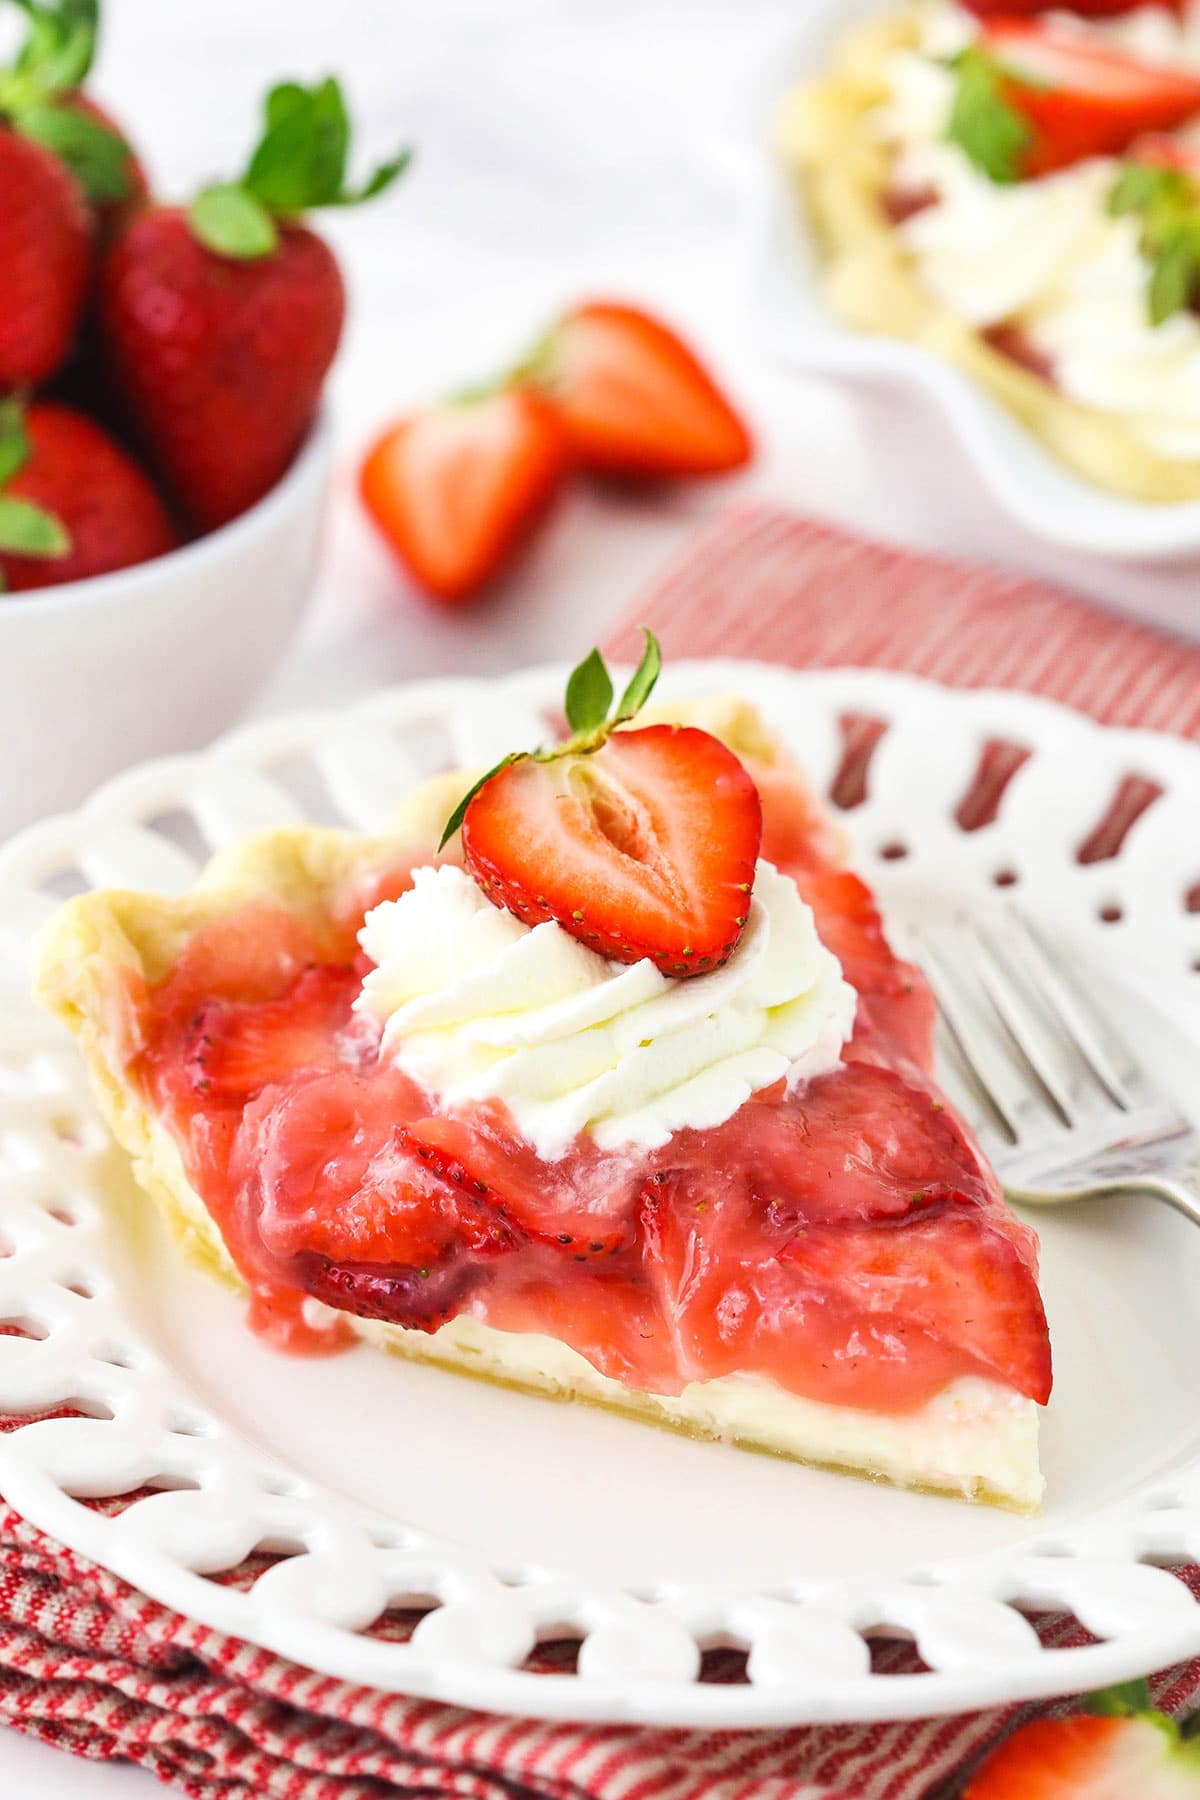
(846, 1241)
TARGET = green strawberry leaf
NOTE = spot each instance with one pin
(1173, 277)
(57, 55)
(284, 100)
(588, 700)
(1146, 187)
(233, 223)
(300, 160)
(1123, 1701)
(381, 178)
(589, 695)
(97, 157)
(642, 682)
(454, 822)
(983, 121)
(29, 530)
(14, 441)
(1167, 202)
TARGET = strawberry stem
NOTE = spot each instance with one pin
(36, 93)
(588, 709)
(57, 55)
(298, 163)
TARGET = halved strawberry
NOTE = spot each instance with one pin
(639, 843)
(1119, 1750)
(1036, 96)
(456, 489)
(234, 1049)
(644, 848)
(635, 400)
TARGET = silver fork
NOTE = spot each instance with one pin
(1068, 1112)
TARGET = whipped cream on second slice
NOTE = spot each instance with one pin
(476, 1005)
(1045, 255)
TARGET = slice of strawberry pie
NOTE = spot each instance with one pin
(616, 1092)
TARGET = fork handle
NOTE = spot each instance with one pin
(1182, 1191)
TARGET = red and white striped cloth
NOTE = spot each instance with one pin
(87, 1663)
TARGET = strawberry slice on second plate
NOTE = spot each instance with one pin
(1082, 9)
(1035, 97)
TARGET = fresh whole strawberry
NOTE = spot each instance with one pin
(635, 400)
(1035, 96)
(41, 98)
(457, 489)
(219, 322)
(641, 843)
(73, 503)
(45, 256)
(1119, 1750)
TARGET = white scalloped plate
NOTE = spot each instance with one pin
(1040, 492)
(380, 1483)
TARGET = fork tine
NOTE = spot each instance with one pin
(1028, 1034)
(1110, 1060)
(985, 1061)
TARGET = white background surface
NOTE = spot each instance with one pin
(565, 147)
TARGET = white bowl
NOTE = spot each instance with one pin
(98, 674)
(1033, 486)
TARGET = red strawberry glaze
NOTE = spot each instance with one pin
(847, 1240)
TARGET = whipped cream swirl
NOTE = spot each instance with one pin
(476, 1005)
(1044, 255)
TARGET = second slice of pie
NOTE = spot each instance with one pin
(621, 1096)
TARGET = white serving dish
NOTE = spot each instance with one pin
(382, 1483)
(97, 674)
(1040, 493)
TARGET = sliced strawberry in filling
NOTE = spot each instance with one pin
(235, 1048)
(763, 1244)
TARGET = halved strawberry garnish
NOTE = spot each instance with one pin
(646, 848)
(233, 1049)
(1034, 97)
(641, 844)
